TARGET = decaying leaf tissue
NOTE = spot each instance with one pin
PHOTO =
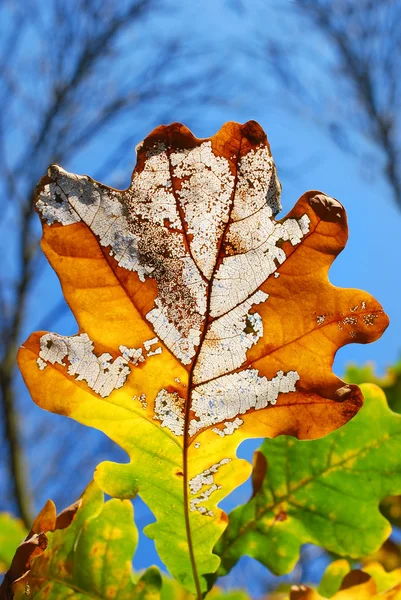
(203, 321)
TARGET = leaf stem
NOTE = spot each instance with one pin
(186, 498)
(190, 386)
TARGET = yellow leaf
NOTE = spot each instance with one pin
(370, 584)
(203, 321)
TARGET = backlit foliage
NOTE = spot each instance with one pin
(340, 583)
(326, 492)
(203, 321)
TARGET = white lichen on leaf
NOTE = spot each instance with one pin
(205, 196)
(256, 252)
(201, 226)
(229, 427)
(142, 400)
(228, 339)
(169, 409)
(152, 348)
(205, 484)
(235, 394)
(102, 373)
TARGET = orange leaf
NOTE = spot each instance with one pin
(202, 321)
(35, 544)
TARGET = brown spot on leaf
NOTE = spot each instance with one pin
(354, 578)
(259, 471)
(327, 208)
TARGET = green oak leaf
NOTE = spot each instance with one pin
(390, 383)
(333, 577)
(326, 492)
(85, 552)
(12, 531)
(172, 590)
(149, 586)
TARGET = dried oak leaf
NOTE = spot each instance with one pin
(85, 552)
(34, 545)
(203, 321)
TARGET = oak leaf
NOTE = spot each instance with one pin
(326, 492)
(390, 382)
(12, 530)
(171, 590)
(202, 319)
(339, 583)
(85, 551)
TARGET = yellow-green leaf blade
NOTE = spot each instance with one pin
(200, 315)
(325, 492)
(91, 557)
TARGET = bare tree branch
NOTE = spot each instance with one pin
(339, 62)
(367, 39)
(58, 92)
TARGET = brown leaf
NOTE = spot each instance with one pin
(202, 320)
(35, 544)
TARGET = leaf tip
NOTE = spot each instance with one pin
(327, 208)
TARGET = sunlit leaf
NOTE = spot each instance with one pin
(12, 531)
(333, 577)
(371, 583)
(326, 492)
(390, 383)
(384, 580)
(84, 552)
(203, 321)
(172, 590)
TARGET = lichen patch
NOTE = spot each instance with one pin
(206, 197)
(142, 400)
(255, 254)
(103, 374)
(350, 320)
(257, 186)
(204, 483)
(229, 427)
(227, 340)
(235, 394)
(133, 355)
(169, 410)
(370, 319)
